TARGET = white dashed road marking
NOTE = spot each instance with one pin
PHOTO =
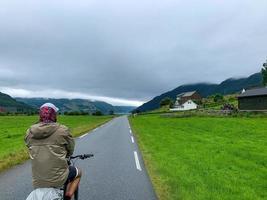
(132, 139)
(137, 161)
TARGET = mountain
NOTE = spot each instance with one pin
(67, 105)
(8, 104)
(123, 109)
(64, 105)
(116, 109)
(103, 106)
(228, 86)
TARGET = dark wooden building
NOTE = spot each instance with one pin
(253, 100)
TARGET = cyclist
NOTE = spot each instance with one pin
(49, 144)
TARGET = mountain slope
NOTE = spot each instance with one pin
(231, 85)
(103, 106)
(64, 105)
(8, 104)
(228, 86)
(123, 109)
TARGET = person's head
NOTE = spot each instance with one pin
(48, 113)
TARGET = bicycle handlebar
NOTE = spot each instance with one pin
(82, 157)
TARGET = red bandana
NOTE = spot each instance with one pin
(47, 115)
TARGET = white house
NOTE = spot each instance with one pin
(188, 105)
(186, 101)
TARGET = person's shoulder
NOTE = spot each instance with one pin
(35, 125)
(62, 128)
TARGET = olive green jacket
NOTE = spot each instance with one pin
(49, 144)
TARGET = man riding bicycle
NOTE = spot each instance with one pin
(50, 144)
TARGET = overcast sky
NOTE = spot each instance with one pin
(126, 51)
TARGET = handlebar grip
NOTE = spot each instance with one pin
(88, 155)
(83, 156)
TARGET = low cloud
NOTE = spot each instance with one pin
(69, 95)
(127, 51)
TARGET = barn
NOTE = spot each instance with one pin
(253, 100)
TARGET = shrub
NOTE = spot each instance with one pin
(166, 101)
(218, 98)
(98, 113)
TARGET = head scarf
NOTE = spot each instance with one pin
(47, 114)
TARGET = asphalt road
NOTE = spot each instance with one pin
(116, 172)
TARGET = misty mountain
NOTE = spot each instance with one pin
(64, 105)
(67, 105)
(229, 86)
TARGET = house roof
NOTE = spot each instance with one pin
(186, 94)
(254, 92)
(180, 95)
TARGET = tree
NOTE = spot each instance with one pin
(218, 97)
(111, 112)
(98, 113)
(172, 104)
(166, 101)
(136, 111)
(264, 74)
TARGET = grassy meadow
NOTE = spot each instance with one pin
(204, 157)
(13, 129)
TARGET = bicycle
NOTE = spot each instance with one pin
(58, 193)
(72, 163)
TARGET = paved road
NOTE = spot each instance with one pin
(113, 174)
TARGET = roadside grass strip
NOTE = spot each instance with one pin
(204, 158)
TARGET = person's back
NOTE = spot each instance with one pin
(49, 144)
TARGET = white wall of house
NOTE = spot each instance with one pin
(188, 105)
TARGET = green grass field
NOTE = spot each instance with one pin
(204, 158)
(13, 129)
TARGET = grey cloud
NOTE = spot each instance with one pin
(129, 49)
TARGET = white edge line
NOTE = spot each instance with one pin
(132, 139)
(130, 131)
(83, 135)
(137, 161)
